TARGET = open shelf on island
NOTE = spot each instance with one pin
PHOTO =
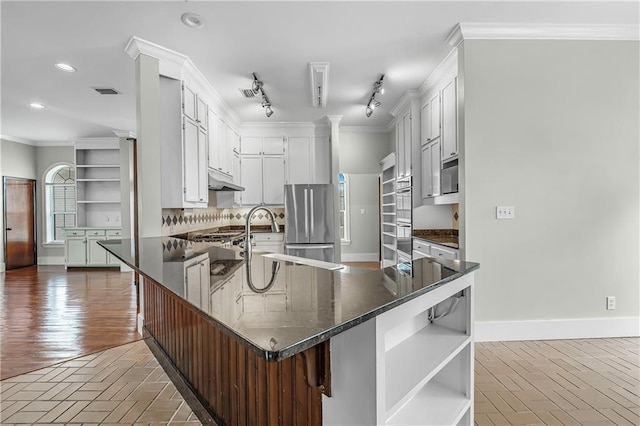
(414, 361)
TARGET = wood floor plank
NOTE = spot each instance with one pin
(49, 315)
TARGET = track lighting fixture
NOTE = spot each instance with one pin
(373, 102)
(256, 88)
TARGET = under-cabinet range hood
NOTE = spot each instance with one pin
(216, 184)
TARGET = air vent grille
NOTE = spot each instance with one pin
(107, 91)
(247, 93)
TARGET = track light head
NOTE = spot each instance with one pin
(369, 111)
(268, 111)
(373, 102)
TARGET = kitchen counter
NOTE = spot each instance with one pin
(445, 237)
(318, 337)
(345, 297)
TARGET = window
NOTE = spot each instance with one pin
(60, 202)
(343, 188)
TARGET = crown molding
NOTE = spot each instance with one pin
(364, 129)
(334, 120)
(403, 102)
(124, 134)
(448, 66)
(280, 125)
(173, 64)
(18, 140)
(501, 31)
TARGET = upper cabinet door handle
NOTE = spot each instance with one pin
(9, 229)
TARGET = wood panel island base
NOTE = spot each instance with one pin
(342, 346)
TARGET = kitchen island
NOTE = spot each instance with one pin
(329, 345)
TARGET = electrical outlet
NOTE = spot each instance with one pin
(362, 211)
(611, 302)
(505, 212)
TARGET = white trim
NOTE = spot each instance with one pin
(2, 267)
(140, 323)
(586, 328)
(124, 133)
(319, 72)
(173, 64)
(360, 257)
(364, 129)
(448, 67)
(501, 31)
(51, 260)
(17, 140)
(403, 102)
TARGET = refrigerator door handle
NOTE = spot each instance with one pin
(308, 246)
(311, 208)
(306, 214)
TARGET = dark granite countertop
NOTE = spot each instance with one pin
(311, 304)
(445, 237)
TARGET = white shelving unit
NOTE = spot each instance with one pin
(388, 241)
(98, 183)
(403, 368)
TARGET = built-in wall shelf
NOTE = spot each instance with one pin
(388, 213)
(388, 223)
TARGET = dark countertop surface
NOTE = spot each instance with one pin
(445, 237)
(308, 306)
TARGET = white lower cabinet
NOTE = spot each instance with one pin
(81, 248)
(423, 248)
(225, 300)
(196, 280)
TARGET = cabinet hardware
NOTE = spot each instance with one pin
(453, 153)
(9, 229)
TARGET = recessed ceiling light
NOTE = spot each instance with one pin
(65, 67)
(192, 20)
(36, 105)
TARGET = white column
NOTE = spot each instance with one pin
(334, 120)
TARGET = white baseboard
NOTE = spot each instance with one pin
(587, 328)
(2, 267)
(51, 260)
(359, 257)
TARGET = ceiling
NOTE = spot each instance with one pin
(277, 40)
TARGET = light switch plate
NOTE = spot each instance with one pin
(505, 212)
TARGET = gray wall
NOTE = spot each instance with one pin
(16, 160)
(45, 158)
(360, 155)
(551, 127)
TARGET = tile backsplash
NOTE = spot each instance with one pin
(179, 221)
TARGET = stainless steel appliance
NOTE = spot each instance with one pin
(309, 223)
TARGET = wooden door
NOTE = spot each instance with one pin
(19, 221)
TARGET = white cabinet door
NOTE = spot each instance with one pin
(202, 113)
(237, 195)
(406, 122)
(425, 157)
(76, 251)
(449, 121)
(273, 179)
(273, 145)
(251, 172)
(435, 168)
(191, 167)
(113, 235)
(251, 145)
(434, 117)
(203, 178)
(400, 148)
(215, 124)
(298, 164)
(227, 151)
(425, 124)
(193, 284)
(96, 255)
(189, 102)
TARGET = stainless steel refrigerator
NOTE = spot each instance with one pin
(309, 223)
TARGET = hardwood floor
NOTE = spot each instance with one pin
(49, 315)
(366, 265)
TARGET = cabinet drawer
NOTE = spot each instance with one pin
(95, 232)
(421, 247)
(443, 253)
(74, 233)
(267, 236)
(114, 233)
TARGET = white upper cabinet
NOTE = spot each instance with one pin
(430, 159)
(430, 119)
(183, 144)
(251, 145)
(273, 146)
(262, 169)
(251, 172)
(202, 114)
(273, 179)
(449, 120)
(308, 160)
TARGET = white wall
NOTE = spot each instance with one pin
(360, 155)
(16, 160)
(551, 127)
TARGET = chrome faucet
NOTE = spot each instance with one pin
(275, 266)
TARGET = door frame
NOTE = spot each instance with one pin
(4, 216)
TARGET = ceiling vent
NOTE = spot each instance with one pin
(106, 91)
(319, 83)
(247, 93)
